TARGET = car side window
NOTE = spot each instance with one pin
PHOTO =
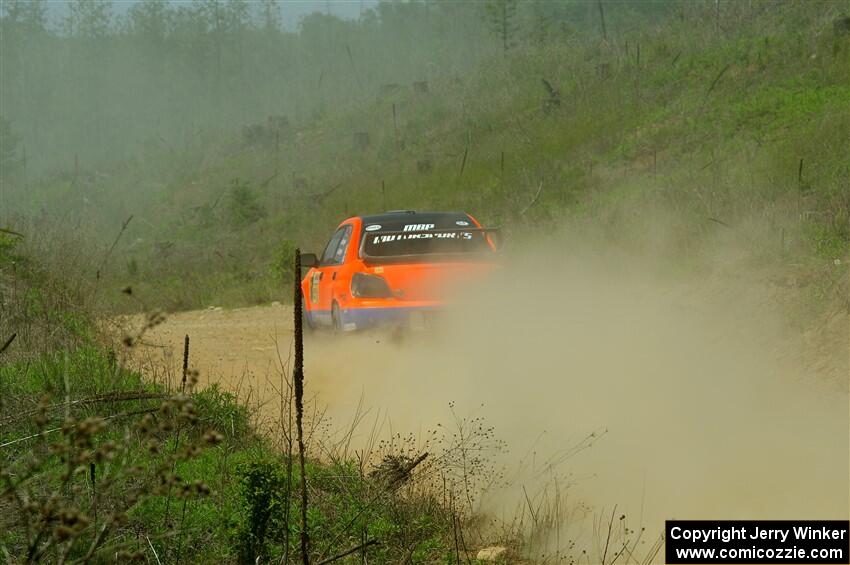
(335, 251)
(339, 255)
(330, 249)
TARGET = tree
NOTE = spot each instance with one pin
(269, 16)
(224, 17)
(25, 15)
(150, 18)
(89, 18)
(502, 15)
(237, 15)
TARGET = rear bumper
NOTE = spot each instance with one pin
(363, 314)
(415, 317)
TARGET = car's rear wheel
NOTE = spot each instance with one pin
(336, 318)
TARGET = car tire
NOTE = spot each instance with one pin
(336, 318)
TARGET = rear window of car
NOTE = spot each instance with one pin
(423, 238)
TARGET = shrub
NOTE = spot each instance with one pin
(245, 207)
(7, 248)
(264, 490)
(282, 267)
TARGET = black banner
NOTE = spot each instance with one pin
(757, 541)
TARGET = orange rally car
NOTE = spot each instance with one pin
(394, 268)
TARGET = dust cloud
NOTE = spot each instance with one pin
(627, 379)
(693, 385)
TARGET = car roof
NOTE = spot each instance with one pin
(413, 215)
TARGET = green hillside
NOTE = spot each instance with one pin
(717, 120)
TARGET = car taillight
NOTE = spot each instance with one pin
(369, 286)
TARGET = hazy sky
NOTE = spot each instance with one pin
(291, 10)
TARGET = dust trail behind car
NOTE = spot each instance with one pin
(708, 408)
(693, 387)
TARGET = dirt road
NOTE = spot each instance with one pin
(248, 350)
(244, 350)
(225, 345)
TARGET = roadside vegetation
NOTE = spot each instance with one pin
(99, 463)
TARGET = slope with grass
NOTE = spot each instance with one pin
(741, 125)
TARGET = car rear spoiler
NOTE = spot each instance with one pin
(427, 257)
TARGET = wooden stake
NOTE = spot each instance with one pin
(185, 363)
(299, 406)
